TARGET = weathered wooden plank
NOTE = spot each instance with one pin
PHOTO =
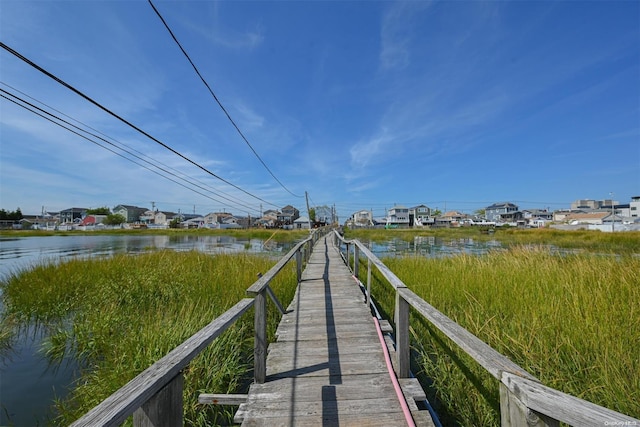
(561, 406)
(358, 420)
(327, 366)
(164, 409)
(117, 407)
(412, 388)
(222, 399)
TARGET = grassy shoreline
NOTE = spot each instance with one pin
(116, 316)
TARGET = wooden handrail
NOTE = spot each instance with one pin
(523, 399)
(115, 409)
(154, 397)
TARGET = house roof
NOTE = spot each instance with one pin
(590, 215)
(502, 205)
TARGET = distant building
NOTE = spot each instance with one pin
(288, 215)
(634, 207)
(72, 215)
(130, 213)
(398, 216)
(495, 212)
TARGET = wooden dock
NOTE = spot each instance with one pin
(327, 367)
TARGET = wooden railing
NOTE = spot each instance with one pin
(155, 396)
(524, 400)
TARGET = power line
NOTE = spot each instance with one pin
(128, 150)
(65, 125)
(105, 109)
(175, 39)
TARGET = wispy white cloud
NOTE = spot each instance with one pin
(396, 31)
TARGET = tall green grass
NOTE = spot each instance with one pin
(117, 316)
(573, 321)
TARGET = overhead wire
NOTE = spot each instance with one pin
(123, 120)
(129, 150)
(68, 126)
(184, 52)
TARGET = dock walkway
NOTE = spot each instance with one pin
(327, 367)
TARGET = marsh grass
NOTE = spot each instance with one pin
(117, 316)
(572, 321)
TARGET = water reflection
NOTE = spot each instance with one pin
(431, 247)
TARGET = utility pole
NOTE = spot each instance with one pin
(306, 196)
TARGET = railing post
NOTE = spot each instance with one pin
(299, 265)
(356, 260)
(260, 341)
(368, 282)
(165, 408)
(514, 413)
(402, 335)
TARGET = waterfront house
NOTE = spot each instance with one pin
(288, 215)
(420, 215)
(72, 215)
(500, 211)
(398, 216)
(130, 213)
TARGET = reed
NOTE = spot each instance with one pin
(117, 316)
(570, 320)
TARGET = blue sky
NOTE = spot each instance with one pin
(362, 104)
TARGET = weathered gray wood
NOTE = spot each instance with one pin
(260, 339)
(263, 281)
(412, 388)
(368, 301)
(121, 404)
(402, 336)
(164, 409)
(356, 261)
(561, 406)
(494, 362)
(327, 365)
(275, 300)
(222, 399)
(513, 413)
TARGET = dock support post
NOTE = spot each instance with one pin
(260, 343)
(164, 409)
(402, 336)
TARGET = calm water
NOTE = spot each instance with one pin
(28, 384)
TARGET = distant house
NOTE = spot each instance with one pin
(130, 213)
(500, 211)
(361, 218)
(301, 223)
(324, 215)
(634, 207)
(288, 215)
(593, 218)
(454, 217)
(90, 220)
(72, 215)
(398, 216)
(268, 219)
(420, 215)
